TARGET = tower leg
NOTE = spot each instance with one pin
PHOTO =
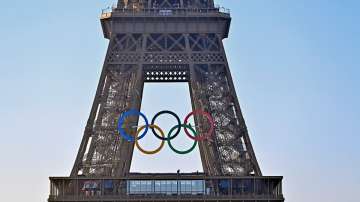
(103, 152)
(230, 151)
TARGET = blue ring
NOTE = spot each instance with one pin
(122, 131)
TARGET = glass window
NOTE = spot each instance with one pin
(248, 185)
(157, 187)
(262, 186)
(198, 186)
(224, 186)
(169, 187)
(140, 187)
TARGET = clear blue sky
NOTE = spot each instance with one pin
(295, 66)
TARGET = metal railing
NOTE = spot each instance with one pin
(164, 11)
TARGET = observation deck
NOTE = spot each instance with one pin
(186, 19)
(167, 187)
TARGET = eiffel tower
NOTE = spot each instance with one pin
(166, 41)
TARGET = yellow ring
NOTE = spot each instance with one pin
(156, 150)
(127, 130)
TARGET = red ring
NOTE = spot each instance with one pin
(200, 137)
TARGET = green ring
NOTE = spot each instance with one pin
(169, 141)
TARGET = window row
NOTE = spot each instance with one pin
(166, 187)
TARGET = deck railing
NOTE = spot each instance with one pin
(107, 12)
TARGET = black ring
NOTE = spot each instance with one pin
(166, 112)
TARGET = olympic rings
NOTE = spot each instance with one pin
(166, 112)
(122, 131)
(154, 151)
(121, 125)
(178, 151)
(211, 122)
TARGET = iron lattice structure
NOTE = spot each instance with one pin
(165, 41)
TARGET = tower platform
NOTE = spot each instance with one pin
(169, 187)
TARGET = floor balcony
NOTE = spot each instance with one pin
(166, 187)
